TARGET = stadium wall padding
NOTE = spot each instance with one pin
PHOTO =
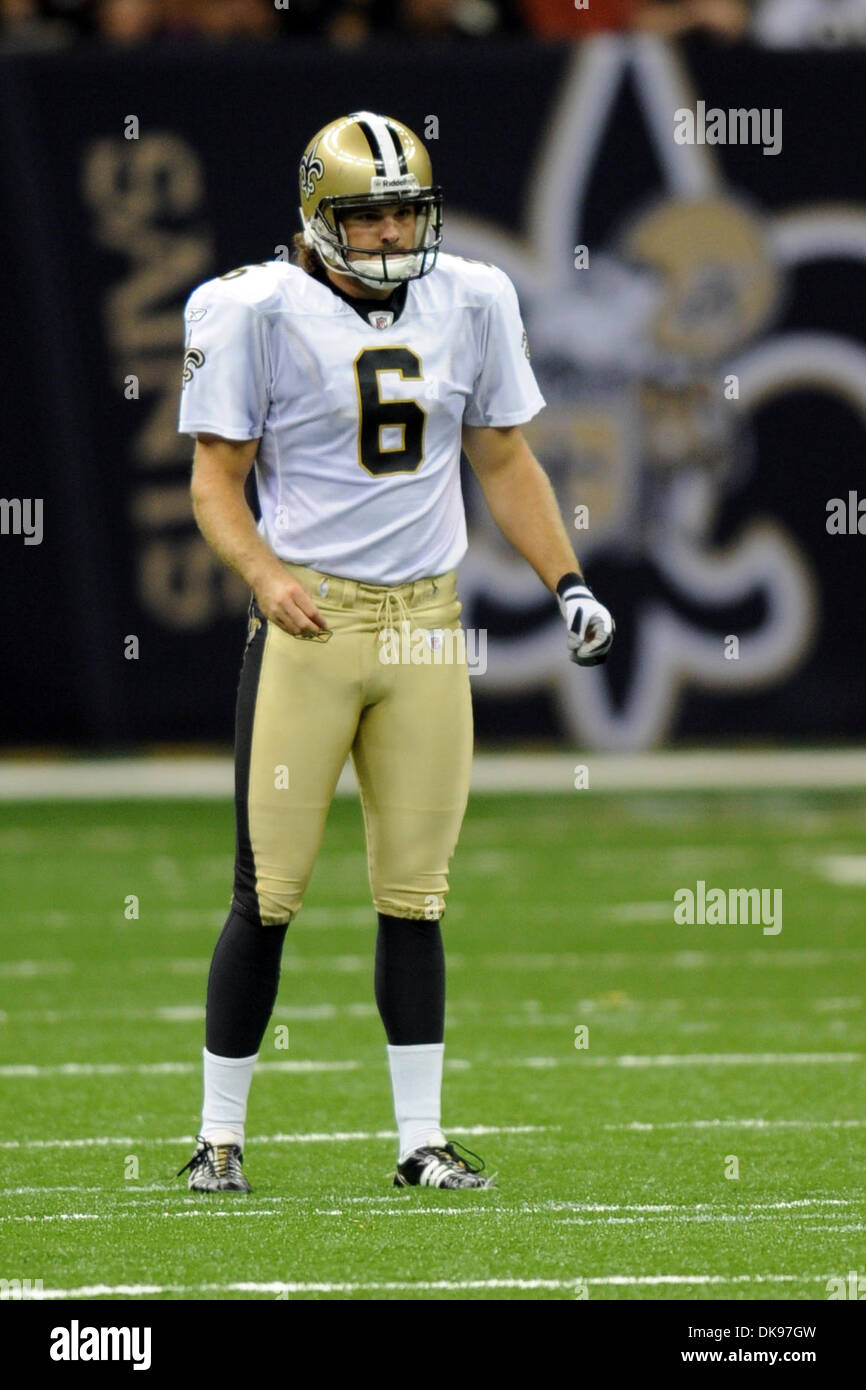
(695, 315)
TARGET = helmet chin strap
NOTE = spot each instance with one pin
(399, 263)
(404, 261)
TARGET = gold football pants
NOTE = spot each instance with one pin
(398, 704)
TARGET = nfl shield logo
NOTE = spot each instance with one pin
(381, 319)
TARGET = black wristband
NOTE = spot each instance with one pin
(570, 581)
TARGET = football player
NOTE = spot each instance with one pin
(350, 379)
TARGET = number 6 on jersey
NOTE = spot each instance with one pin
(374, 414)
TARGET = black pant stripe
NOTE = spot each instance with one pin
(245, 898)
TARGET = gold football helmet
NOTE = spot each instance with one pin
(363, 161)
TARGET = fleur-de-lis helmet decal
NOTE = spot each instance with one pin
(312, 169)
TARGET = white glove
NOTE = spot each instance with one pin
(590, 625)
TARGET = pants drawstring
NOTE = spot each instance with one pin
(385, 612)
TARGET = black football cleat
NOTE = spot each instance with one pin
(440, 1167)
(216, 1168)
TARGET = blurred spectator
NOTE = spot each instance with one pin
(28, 24)
(25, 28)
(219, 19)
(669, 18)
(810, 23)
(727, 19)
(563, 21)
(355, 21)
(446, 18)
(127, 21)
(229, 19)
(351, 24)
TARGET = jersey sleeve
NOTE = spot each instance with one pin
(225, 388)
(505, 390)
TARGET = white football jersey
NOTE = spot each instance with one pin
(358, 470)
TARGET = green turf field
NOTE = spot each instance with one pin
(708, 1047)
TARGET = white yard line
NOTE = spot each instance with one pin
(425, 1211)
(339, 1137)
(324, 1011)
(801, 958)
(80, 1187)
(442, 1285)
(190, 1013)
(747, 958)
(158, 1068)
(694, 1059)
(638, 912)
(124, 1215)
(804, 957)
(29, 969)
(32, 1071)
(642, 1126)
(693, 1218)
(601, 1219)
(811, 1208)
(847, 870)
(792, 1204)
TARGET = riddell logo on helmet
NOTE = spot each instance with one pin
(403, 182)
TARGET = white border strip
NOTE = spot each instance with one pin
(212, 777)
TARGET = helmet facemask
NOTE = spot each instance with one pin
(378, 269)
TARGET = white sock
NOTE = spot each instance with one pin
(227, 1083)
(416, 1080)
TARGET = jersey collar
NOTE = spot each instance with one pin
(387, 310)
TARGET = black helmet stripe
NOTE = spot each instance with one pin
(375, 147)
(398, 146)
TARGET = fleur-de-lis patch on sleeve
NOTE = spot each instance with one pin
(192, 358)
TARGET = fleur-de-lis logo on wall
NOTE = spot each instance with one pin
(312, 169)
(693, 280)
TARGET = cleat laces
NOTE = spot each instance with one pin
(221, 1160)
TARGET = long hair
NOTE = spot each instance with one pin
(306, 256)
